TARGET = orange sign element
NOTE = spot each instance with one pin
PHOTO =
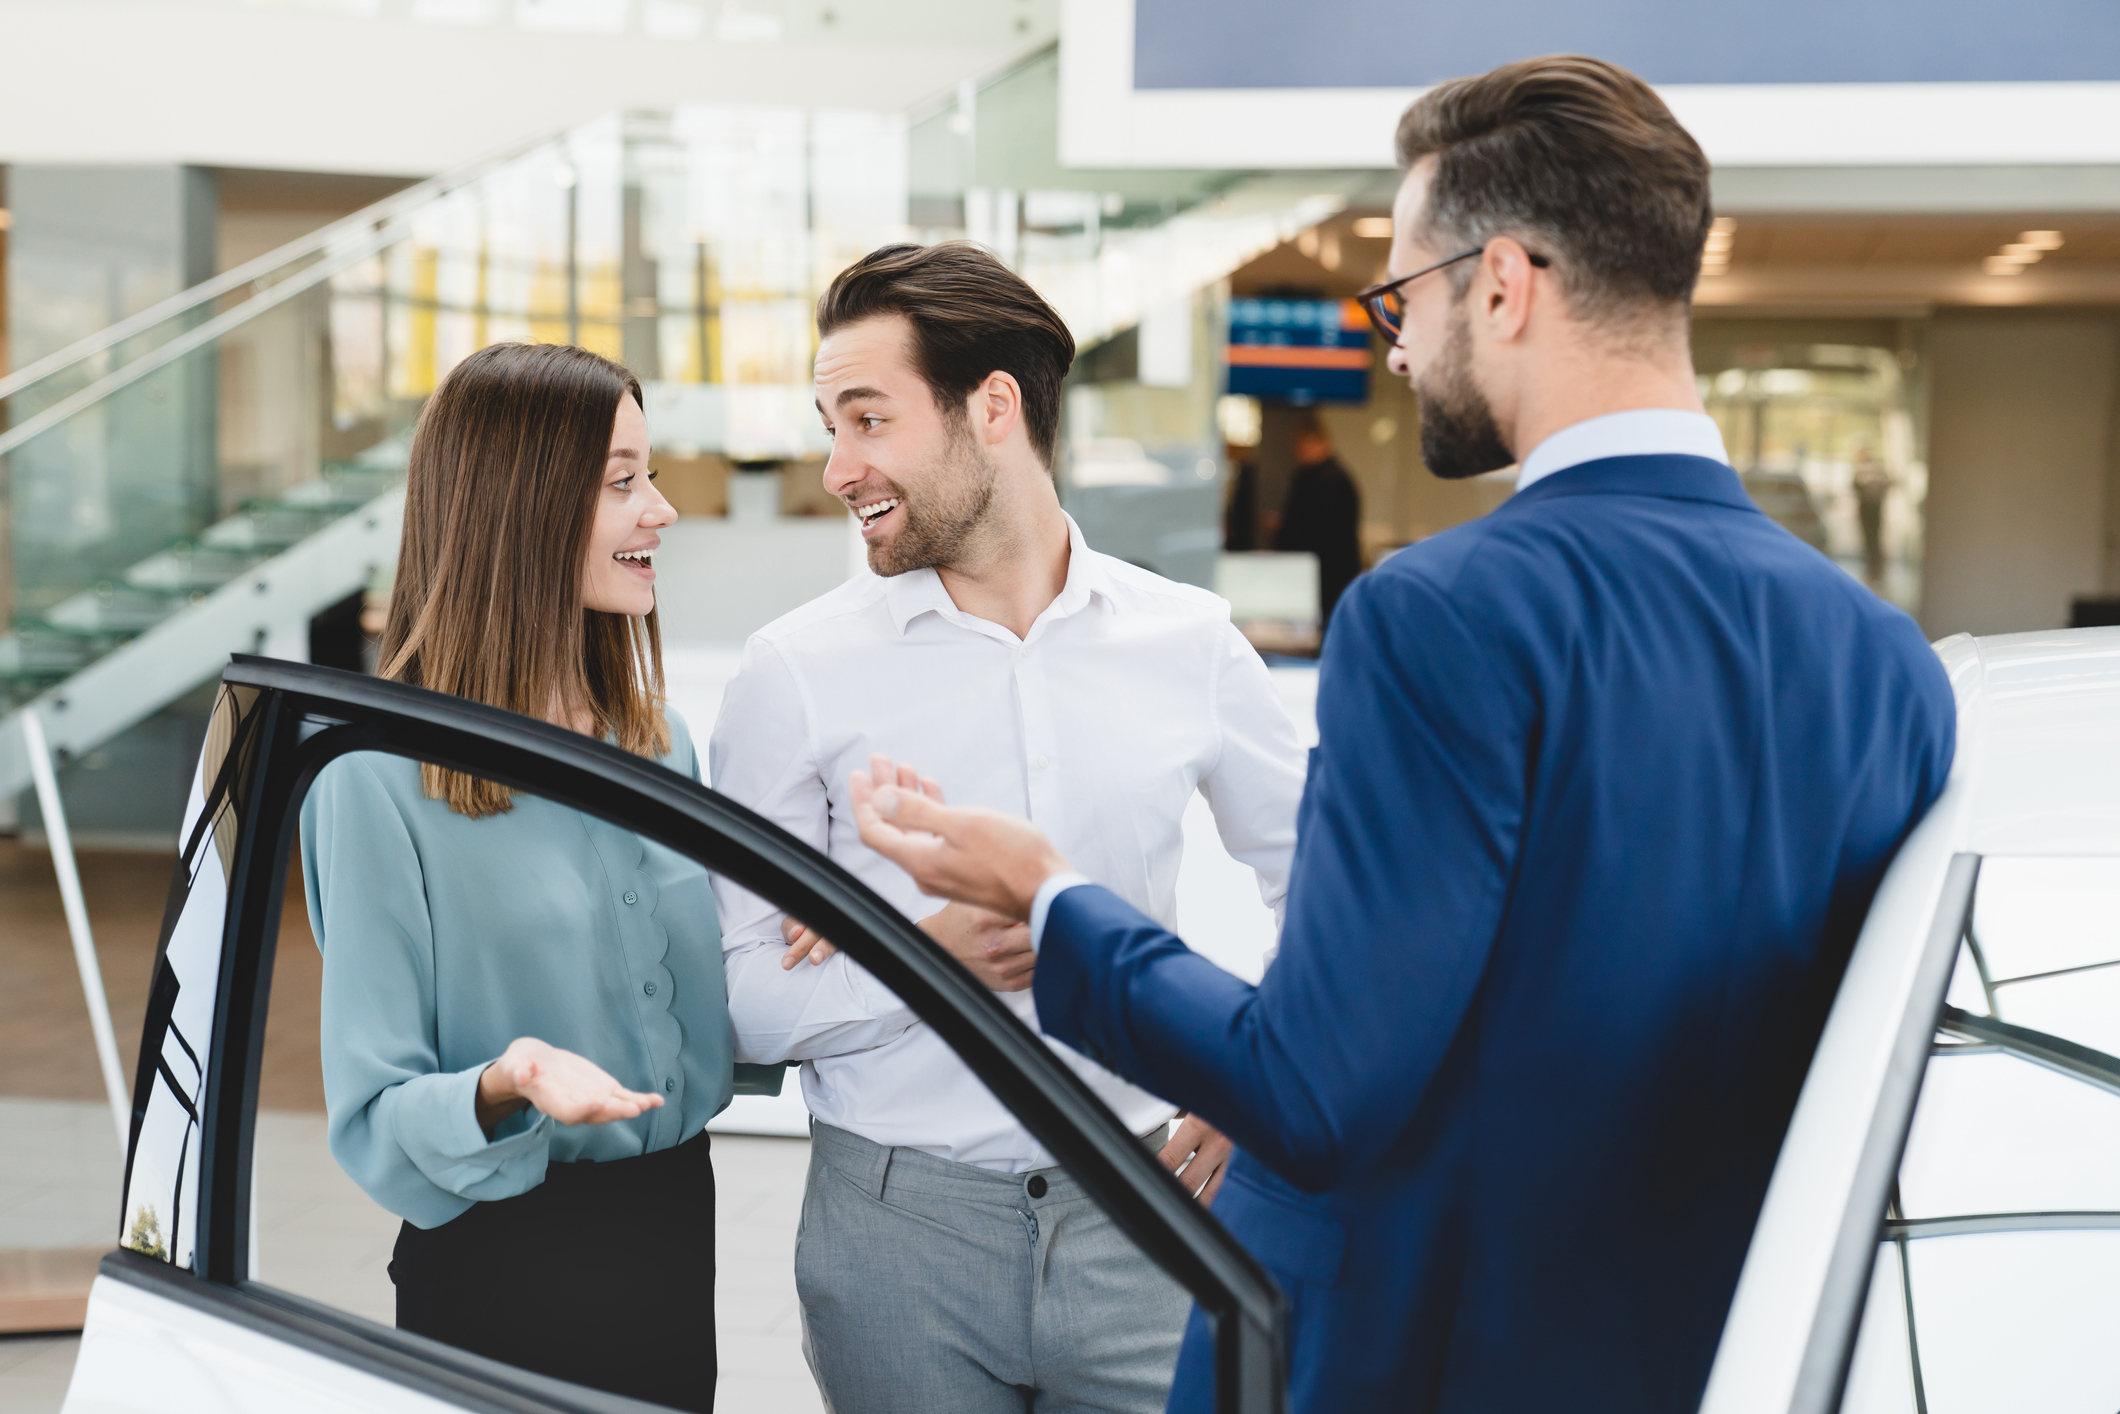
(1296, 356)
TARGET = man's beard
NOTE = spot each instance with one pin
(940, 523)
(1458, 434)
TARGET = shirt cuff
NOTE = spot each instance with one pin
(1048, 891)
(436, 1124)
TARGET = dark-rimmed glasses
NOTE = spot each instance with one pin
(1387, 311)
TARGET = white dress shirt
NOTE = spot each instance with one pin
(1128, 693)
(1642, 432)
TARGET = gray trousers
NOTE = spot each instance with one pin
(932, 1287)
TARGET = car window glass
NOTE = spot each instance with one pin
(1992, 1287)
(324, 1228)
(160, 1214)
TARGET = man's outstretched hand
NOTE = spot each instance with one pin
(997, 950)
(974, 856)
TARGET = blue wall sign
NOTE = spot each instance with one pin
(1299, 350)
(1182, 44)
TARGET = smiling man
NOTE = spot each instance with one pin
(945, 1263)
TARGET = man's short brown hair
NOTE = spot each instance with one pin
(971, 316)
(1579, 159)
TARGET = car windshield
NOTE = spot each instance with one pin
(1993, 1284)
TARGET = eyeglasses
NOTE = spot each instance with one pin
(1387, 311)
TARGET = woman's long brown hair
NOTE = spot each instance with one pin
(507, 465)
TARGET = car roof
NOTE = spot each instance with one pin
(2038, 764)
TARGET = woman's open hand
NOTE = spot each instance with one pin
(559, 1083)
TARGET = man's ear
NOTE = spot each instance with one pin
(997, 407)
(1507, 280)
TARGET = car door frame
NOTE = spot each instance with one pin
(303, 716)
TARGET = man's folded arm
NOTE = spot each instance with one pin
(1403, 858)
(761, 757)
(805, 1012)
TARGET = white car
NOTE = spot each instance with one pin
(1942, 1232)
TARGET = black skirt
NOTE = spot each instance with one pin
(603, 1274)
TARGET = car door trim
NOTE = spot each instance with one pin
(1823, 1374)
(426, 1366)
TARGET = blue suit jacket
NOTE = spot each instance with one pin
(1604, 786)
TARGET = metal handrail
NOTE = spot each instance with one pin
(379, 236)
(389, 209)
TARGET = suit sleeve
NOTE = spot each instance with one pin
(1405, 847)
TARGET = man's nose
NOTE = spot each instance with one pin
(842, 471)
(1395, 360)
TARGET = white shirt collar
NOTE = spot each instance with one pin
(918, 592)
(1644, 432)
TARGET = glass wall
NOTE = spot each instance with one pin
(1825, 426)
(151, 470)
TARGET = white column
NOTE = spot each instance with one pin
(62, 846)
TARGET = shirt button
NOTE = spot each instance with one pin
(670, 1085)
(1041, 763)
(1036, 1187)
(649, 989)
(1026, 650)
(632, 898)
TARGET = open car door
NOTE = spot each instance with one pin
(176, 1320)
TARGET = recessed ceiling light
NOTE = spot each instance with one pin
(1715, 250)
(1373, 228)
(2029, 248)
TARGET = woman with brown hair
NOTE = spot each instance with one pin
(524, 1022)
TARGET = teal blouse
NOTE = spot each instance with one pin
(445, 938)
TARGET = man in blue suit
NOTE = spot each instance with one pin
(1605, 782)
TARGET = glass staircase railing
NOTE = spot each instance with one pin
(183, 482)
(40, 652)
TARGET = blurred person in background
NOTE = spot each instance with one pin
(524, 1026)
(1872, 483)
(1604, 785)
(1240, 517)
(945, 1262)
(1322, 514)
